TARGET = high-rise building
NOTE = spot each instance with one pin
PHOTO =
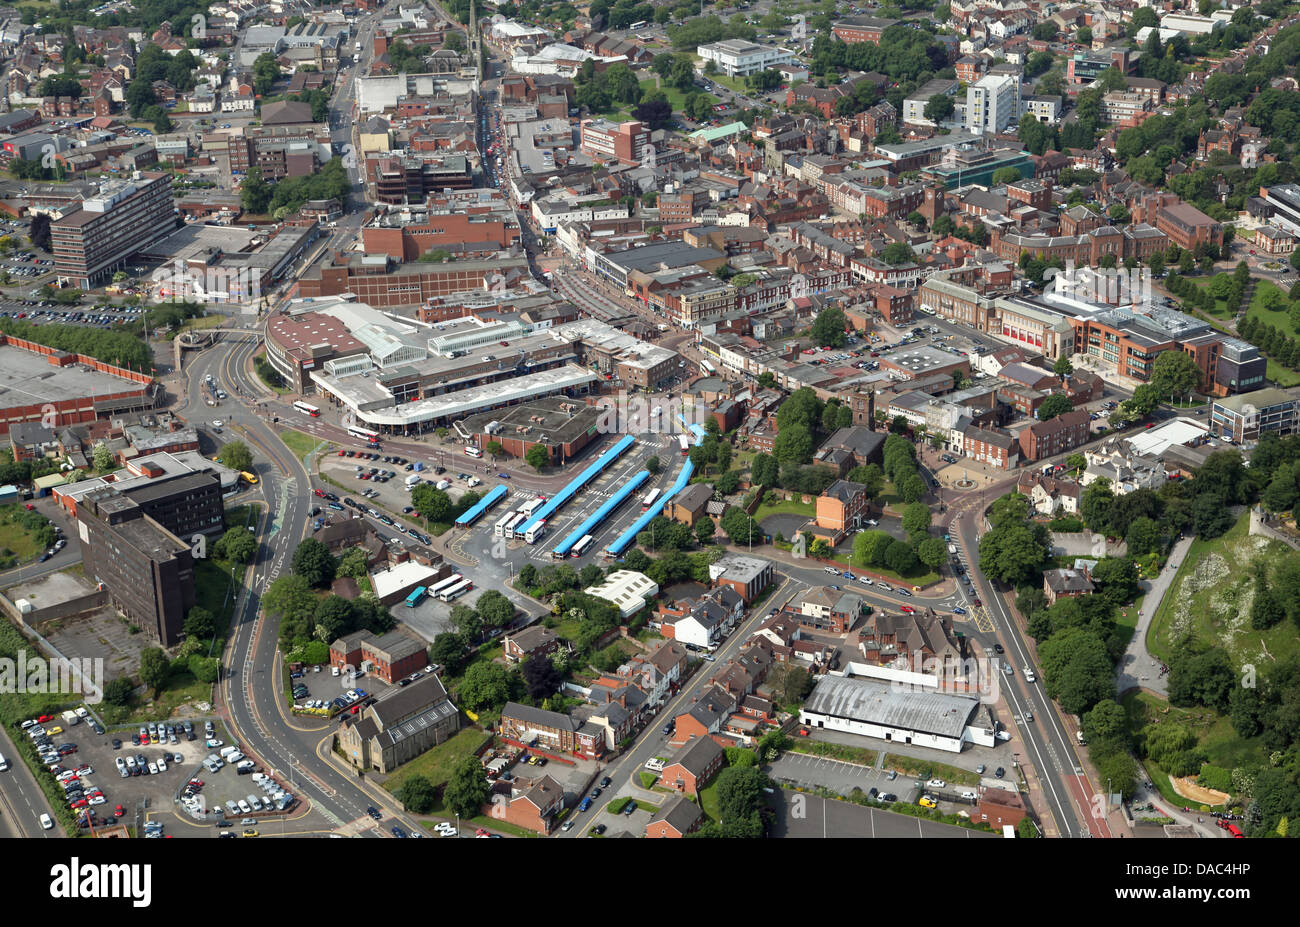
(992, 103)
(148, 570)
(125, 216)
(625, 142)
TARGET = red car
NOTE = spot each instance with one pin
(119, 811)
(907, 608)
(43, 718)
(343, 453)
(319, 492)
(803, 732)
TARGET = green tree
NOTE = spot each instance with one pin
(118, 691)
(828, 328)
(932, 552)
(314, 562)
(355, 563)
(916, 518)
(485, 686)
(939, 107)
(537, 457)
(704, 530)
(1077, 670)
(1063, 367)
(497, 611)
(467, 789)
(448, 650)
(154, 669)
(652, 465)
(104, 459)
(199, 623)
(238, 545)
(417, 794)
(236, 456)
(763, 470)
(1054, 405)
(1005, 175)
(290, 597)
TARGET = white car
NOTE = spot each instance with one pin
(47, 823)
(217, 423)
(936, 784)
(831, 570)
(162, 766)
(96, 800)
(866, 581)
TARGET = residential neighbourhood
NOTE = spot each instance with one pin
(676, 420)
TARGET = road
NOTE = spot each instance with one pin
(21, 800)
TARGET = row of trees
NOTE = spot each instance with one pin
(288, 195)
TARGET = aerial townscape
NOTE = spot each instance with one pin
(803, 419)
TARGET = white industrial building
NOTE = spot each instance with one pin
(737, 58)
(626, 589)
(888, 711)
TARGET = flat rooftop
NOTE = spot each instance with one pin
(29, 379)
(563, 421)
(195, 239)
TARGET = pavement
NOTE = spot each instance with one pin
(1137, 668)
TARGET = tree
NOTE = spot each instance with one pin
(790, 682)
(1054, 405)
(467, 789)
(314, 562)
(104, 459)
(537, 457)
(486, 685)
(528, 576)
(154, 669)
(1005, 175)
(355, 563)
(1175, 374)
(704, 530)
(1063, 367)
(454, 41)
(828, 328)
(1077, 670)
(238, 545)
(916, 518)
(932, 552)
(265, 71)
(236, 456)
(433, 504)
(898, 252)
(118, 691)
(255, 193)
(199, 623)
(496, 610)
(764, 470)
(652, 465)
(911, 487)
(939, 107)
(448, 650)
(540, 675)
(290, 597)
(417, 794)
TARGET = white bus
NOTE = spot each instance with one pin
(514, 523)
(365, 434)
(535, 532)
(581, 547)
(443, 585)
(306, 409)
(473, 451)
(649, 500)
(499, 529)
(685, 443)
(456, 591)
(528, 508)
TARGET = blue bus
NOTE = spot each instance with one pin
(416, 597)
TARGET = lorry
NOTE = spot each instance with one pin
(70, 718)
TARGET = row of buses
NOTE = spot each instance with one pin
(507, 524)
(447, 590)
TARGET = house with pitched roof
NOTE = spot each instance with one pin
(676, 817)
(700, 621)
(704, 716)
(521, 645)
(693, 766)
(824, 608)
(531, 804)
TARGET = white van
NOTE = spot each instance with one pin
(412, 480)
(443, 484)
(228, 749)
(4, 764)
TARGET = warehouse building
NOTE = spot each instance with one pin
(888, 712)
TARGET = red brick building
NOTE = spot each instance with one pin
(676, 817)
(854, 29)
(694, 765)
(1055, 436)
(533, 807)
(1000, 808)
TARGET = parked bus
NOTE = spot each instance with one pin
(499, 529)
(365, 434)
(581, 547)
(473, 451)
(528, 508)
(249, 478)
(686, 444)
(514, 523)
(305, 409)
(639, 24)
(709, 368)
(416, 596)
(536, 532)
(443, 585)
(649, 500)
(456, 591)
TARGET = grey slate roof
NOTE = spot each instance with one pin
(879, 703)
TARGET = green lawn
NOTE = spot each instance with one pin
(1211, 598)
(16, 541)
(437, 764)
(675, 97)
(1256, 309)
(859, 755)
(709, 803)
(924, 769)
(789, 507)
(301, 444)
